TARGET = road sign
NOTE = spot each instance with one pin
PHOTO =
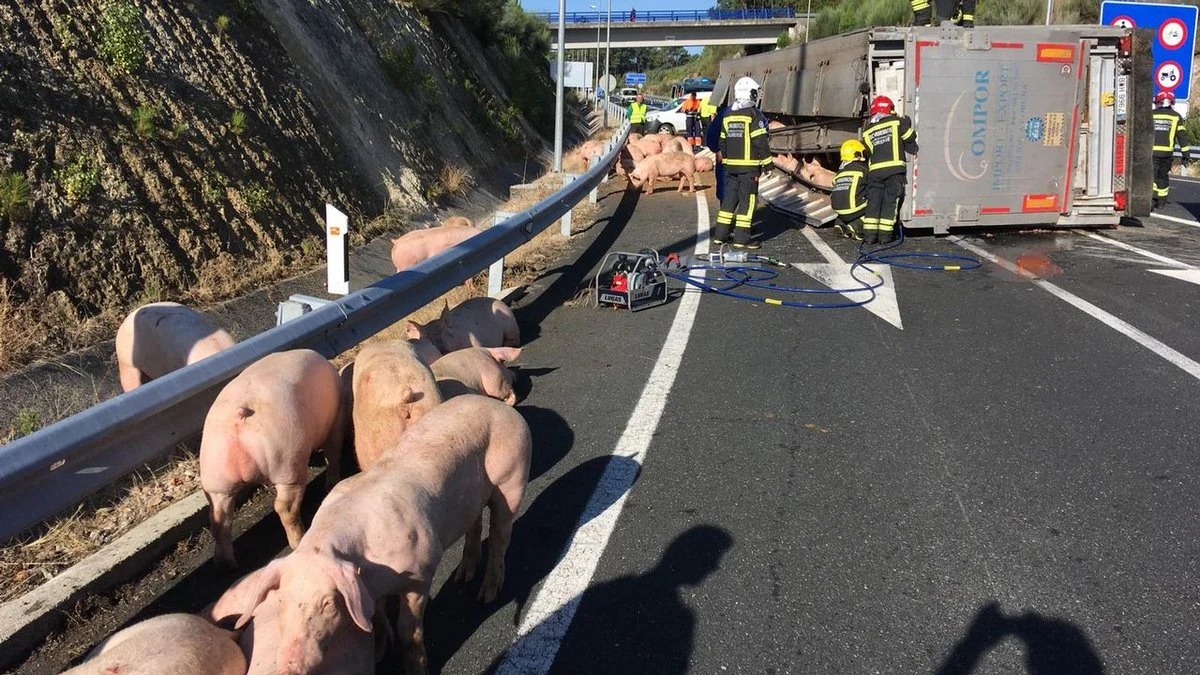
(633, 79)
(1175, 26)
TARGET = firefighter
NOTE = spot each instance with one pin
(712, 139)
(966, 13)
(744, 151)
(922, 13)
(637, 115)
(1168, 132)
(849, 186)
(888, 137)
(691, 108)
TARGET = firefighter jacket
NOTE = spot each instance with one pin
(744, 144)
(690, 108)
(1169, 131)
(637, 112)
(849, 188)
(887, 140)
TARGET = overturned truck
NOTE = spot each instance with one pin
(1017, 125)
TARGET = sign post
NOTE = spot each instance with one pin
(1173, 47)
(337, 261)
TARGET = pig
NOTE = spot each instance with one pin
(161, 337)
(382, 533)
(788, 163)
(817, 174)
(633, 137)
(476, 371)
(457, 221)
(180, 644)
(682, 165)
(391, 389)
(349, 651)
(426, 351)
(676, 144)
(591, 150)
(261, 430)
(478, 322)
(649, 147)
(417, 245)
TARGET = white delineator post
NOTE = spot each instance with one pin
(496, 271)
(565, 223)
(337, 226)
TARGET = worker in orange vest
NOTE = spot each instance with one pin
(691, 108)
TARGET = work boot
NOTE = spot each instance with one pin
(841, 229)
(923, 17)
(887, 236)
(871, 237)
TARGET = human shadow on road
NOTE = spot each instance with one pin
(635, 623)
(540, 537)
(575, 276)
(1052, 646)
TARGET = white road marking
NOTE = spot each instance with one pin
(1134, 249)
(549, 615)
(1191, 274)
(835, 273)
(1173, 219)
(1120, 325)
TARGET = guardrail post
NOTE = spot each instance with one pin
(594, 195)
(337, 255)
(496, 270)
(565, 222)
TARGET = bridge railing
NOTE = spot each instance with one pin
(651, 16)
(60, 465)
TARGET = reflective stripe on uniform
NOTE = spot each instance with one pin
(895, 158)
(918, 5)
(637, 112)
(1174, 128)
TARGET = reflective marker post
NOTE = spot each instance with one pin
(337, 259)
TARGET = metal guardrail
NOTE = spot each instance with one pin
(58, 466)
(652, 16)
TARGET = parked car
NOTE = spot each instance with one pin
(628, 94)
(671, 120)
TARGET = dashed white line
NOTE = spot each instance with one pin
(1134, 249)
(1172, 219)
(1120, 325)
(550, 614)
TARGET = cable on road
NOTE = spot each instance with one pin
(960, 262)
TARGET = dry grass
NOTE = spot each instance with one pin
(29, 332)
(456, 180)
(28, 562)
(35, 558)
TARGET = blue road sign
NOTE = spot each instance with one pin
(632, 79)
(1174, 42)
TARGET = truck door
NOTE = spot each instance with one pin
(997, 116)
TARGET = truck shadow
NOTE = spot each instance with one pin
(1052, 646)
(540, 536)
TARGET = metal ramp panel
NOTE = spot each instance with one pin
(783, 193)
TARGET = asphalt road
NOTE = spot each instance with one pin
(1007, 484)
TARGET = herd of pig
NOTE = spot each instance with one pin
(430, 424)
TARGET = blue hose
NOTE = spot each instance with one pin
(965, 262)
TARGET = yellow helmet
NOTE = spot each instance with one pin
(852, 150)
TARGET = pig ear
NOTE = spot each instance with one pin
(358, 599)
(412, 330)
(267, 581)
(445, 310)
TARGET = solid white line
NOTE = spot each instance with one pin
(549, 615)
(1185, 180)
(1120, 325)
(1173, 219)
(1134, 249)
(822, 247)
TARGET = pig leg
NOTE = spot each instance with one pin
(131, 377)
(333, 448)
(410, 628)
(472, 550)
(221, 525)
(287, 505)
(504, 504)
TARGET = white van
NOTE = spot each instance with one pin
(671, 120)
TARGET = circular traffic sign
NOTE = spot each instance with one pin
(1123, 21)
(1169, 75)
(1172, 34)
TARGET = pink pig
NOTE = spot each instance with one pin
(392, 389)
(478, 322)
(477, 371)
(382, 533)
(817, 174)
(180, 644)
(682, 165)
(262, 429)
(418, 245)
(161, 337)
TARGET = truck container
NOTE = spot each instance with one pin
(1017, 125)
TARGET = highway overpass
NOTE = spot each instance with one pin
(674, 28)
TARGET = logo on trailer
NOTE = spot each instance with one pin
(979, 97)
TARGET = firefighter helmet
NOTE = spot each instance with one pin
(852, 150)
(882, 105)
(746, 89)
(1164, 96)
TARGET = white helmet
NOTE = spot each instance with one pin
(746, 89)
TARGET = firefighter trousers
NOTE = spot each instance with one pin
(737, 208)
(883, 204)
(1162, 177)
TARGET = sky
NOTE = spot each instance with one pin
(617, 5)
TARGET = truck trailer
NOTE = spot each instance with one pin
(1017, 125)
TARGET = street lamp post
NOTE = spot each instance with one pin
(1049, 10)
(558, 89)
(607, 49)
(597, 88)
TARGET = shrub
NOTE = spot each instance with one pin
(237, 122)
(122, 36)
(15, 196)
(223, 22)
(256, 197)
(62, 31)
(145, 121)
(456, 180)
(26, 422)
(400, 63)
(783, 41)
(79, 178)
(212, 186)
